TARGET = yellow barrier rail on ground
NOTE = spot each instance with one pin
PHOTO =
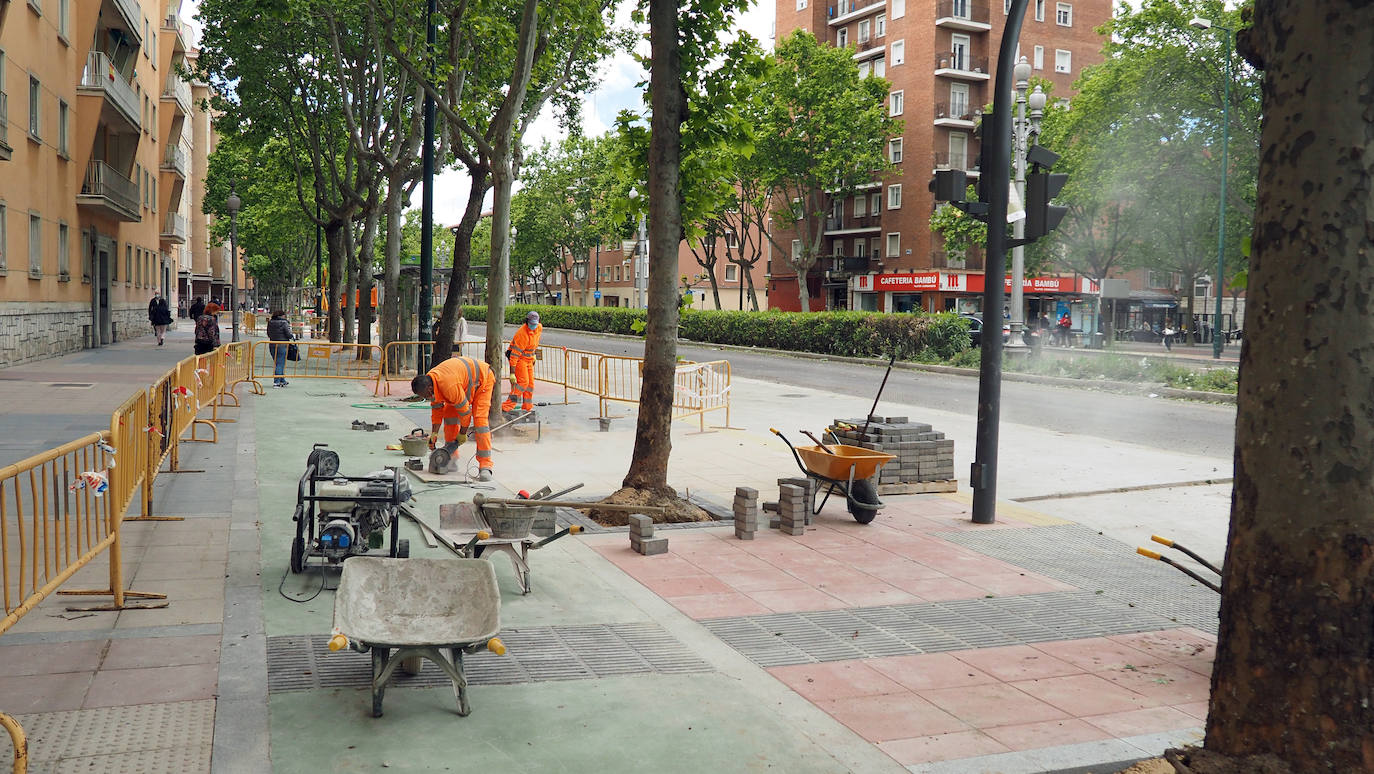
(319, 360)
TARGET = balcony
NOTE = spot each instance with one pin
(965, 161)
(177, 159)
(133, 18)
(962, 15)
(960, 116)
(101, 78)
(859, 224)
(849, 10)
(174, 229)
(961, 66)
(179, 92)
(939, 259)
(104, 188)
(182, 40)
(5, 149)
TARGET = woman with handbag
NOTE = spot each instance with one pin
(279, 330)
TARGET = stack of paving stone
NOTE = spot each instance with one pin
(746, 512)
(792, 509)
(925, 458)
(642, 538)
(807, 483)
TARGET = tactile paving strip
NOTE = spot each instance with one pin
(1080, 556)
(783, 639)
(173, 738)
(304, 662)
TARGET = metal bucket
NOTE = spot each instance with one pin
(509, 521)
(415, 446)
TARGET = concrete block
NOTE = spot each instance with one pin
(641, 525)
(746, 492)
(795, 531)
(649, 546)
(744, 535)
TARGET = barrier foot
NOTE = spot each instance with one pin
(21, 743)
(213, 428)
(111, 606)
(156, 518)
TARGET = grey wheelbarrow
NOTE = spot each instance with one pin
(402, 610)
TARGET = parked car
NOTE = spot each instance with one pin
(975, 329)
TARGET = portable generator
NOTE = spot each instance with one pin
(341, 516)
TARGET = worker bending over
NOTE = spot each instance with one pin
(520, 353)
(459, 393)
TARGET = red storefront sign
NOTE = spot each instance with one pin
(1028, 285)
(907, 283)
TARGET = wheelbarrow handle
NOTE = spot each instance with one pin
(792, 448)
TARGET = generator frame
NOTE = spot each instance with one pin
(322, 466)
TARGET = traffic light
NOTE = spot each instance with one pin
(1041, 216)
(949, 185)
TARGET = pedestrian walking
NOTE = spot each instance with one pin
(1065, 325)
(459, 393)
(159, 315)
(207, 329)
(520, 353)
(279, 333)
(1168, 339)
(197, 308)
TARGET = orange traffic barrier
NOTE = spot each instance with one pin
(319, 360)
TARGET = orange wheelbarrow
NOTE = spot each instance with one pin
(850, 470)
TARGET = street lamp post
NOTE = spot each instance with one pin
(1204, 24)
(232, 204)
(641, 262)
(1021, 73)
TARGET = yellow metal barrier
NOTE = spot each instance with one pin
(700, 388)
(620, 380)
(320, 360)
(398, 363)
(21, 744)
(582, 371)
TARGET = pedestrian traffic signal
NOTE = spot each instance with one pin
(1041, 216)
(949, 185)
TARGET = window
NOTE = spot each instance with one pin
(1006, 7)
(138, 266)
(3, 218)
(860, 248)
(35, 244)
(894, 245)
(1038, 60)
(64, 13)
(958, 100)
(64, 265)
(146, 38)
(801, 5)
(616, 274)
(880, 25)
(864, 69)
(1039, 10)
(894, 197)
(898, 52)
(63, 127)
(898, 9)
(1063, 14)
(842, 37)
(154, 195)
(894, 103)
(873, 245)
(958, 150)
(860, 205)
(879, 68)
(732, 272)
(959, 46)
(864, 27)
(959, 9)
(837, 248)
(796, 250)
(894, 150)
(1063, 61)
(36, 6)
(875, 202)
(128, 264)
(35, 92)
(731, 239)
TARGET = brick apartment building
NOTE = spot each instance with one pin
(940, 56)
(96, 153)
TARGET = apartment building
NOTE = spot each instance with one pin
(611, 277)
(940, 57)
(95, 153)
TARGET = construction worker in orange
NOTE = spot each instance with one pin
(520, 353)
(459, 393)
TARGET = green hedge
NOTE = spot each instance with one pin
(854, 334)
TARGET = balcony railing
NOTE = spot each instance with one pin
(178, 158)
(133, 17)
(964, 63)
(105, 186)
(4, 118)
(174, 228)
(179, 27)
(178, 90)
(957, 112)
(962, 10)
(101, 75)
(964, 161)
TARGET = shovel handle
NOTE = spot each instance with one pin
(825, 448)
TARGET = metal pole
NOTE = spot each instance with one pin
(1217, 342)
(642, 269)
(319, 264)
(425, 307)
(996, 153)
(1018, 253)
(234, 271)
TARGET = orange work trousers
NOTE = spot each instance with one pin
(472, 420)
(523, 390)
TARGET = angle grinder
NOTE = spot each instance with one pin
(442, 457)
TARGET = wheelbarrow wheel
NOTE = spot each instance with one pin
(863, 491)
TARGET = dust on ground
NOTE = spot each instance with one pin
(678, 509)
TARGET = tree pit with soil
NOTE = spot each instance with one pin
(678, 510)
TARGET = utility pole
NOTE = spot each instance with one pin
(426, 302)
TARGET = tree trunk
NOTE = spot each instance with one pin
(366, 312)
(715, 286)
(391, 293)
(350, 306)
(653, 430)
(803, 292)
(462, 260)
(1295, 662)
(333, 239)
(498, 277)
(753, 296)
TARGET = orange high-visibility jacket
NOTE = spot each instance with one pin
(457, 382)
(525, 342)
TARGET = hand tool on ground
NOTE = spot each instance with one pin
(1148, 554)
(440, 458)
(480, 499)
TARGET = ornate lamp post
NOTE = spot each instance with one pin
(1206, 24)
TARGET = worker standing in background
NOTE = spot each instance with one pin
(459, 393)
(520, 353)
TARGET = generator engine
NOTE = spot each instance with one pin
(341, 516)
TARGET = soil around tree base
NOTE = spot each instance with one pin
(1196, 760)
(678, 509)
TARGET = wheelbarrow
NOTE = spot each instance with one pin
(406, 609)
(845, 469)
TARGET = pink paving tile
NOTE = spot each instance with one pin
(1083, 695)
(1202, 666)
(961, 565)
(892, 716)
(686, 586)
(863, 557)
(761, 580)
(904, 570)
(1163, 683)
(29, 694)
(938, 589)
(874, 593)
(1171, 644)
(823, 537)
(1098, 654)
(1016, 662)
(822, 575)
(930, 670)
(836, 680)
(993, 704)
(1046, 733)
(122, 687)
(729, 561)
(941, 747)
(1145, 721)
(1013, 583)
(796, 600)
(161, 651)
(717, 605)
(51, 658)
(638, 566)
(1196, 709)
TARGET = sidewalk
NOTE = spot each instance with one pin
(920, 642)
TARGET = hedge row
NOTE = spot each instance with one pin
(855, 334)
